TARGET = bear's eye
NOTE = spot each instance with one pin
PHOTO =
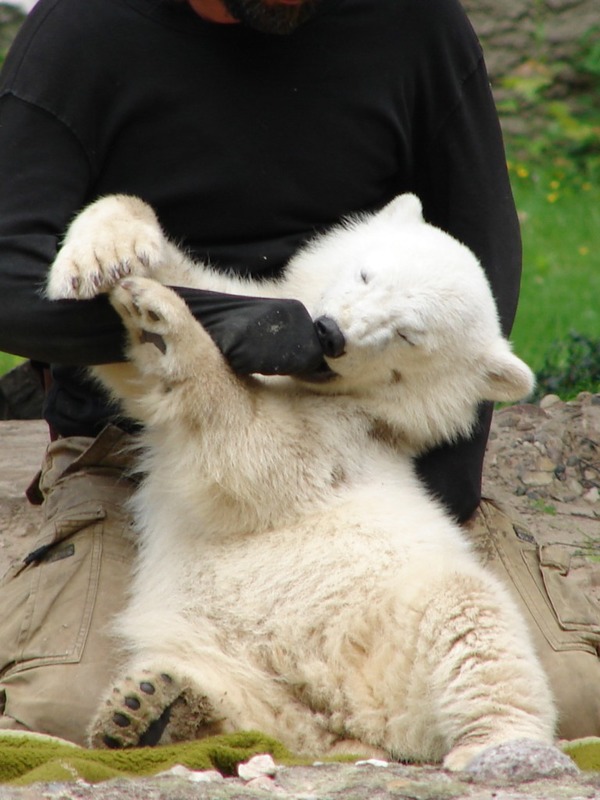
(364, 276)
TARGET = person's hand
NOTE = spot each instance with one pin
(271, 337)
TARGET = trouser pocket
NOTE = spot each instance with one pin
(556, 589)
(57, 653)
(568, 581)
(47, 605)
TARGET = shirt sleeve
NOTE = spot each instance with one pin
(46, 184)
(465, 188)
(45, 177)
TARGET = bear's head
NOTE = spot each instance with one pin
(413, 323)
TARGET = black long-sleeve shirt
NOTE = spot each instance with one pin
(245, 144)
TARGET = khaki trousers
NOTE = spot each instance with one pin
(557, 588)
(56, 653)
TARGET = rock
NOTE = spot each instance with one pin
(592, 496)
(266, 784)
(520, 761)
(549, 400)
(323, 782)
(256, 767)
(549, 473)
(510, 32)
(535, 478)
(195, 776)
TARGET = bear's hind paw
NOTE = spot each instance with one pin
(151, 708)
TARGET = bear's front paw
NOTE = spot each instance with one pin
(149, 708)
(114, 238)
(153, 314)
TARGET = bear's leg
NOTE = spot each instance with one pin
(174, 700)
(484, 684)
(440, 668)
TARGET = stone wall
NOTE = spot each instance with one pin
(514, 31)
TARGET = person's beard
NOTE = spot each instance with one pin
(281, 19)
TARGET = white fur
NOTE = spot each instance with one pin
(292, 569)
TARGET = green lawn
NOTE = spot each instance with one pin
(560, 292)
(8, 362)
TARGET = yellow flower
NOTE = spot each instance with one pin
(554, 184)
(552, 197)
(586, 186)
(522, 171)
(583, 250)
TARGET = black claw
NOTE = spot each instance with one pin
(112, 744)
(121, 720)
(132, 702)
(166, 678)
(147, 688)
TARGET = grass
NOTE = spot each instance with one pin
(7, 362)
(559, 207)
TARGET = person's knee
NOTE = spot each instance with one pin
(554, 588)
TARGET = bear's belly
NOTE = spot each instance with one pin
(341, 561)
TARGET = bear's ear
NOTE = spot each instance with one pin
(507, 378)
(404, 207)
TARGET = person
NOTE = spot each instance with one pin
(248, 125)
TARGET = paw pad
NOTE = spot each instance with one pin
(135, 706)
(153, 708)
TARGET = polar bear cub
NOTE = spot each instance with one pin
(293, 574)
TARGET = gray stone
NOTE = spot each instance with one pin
(520, 761)
(326, 782)
(544, 481)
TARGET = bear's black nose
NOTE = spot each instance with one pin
(331, 338)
